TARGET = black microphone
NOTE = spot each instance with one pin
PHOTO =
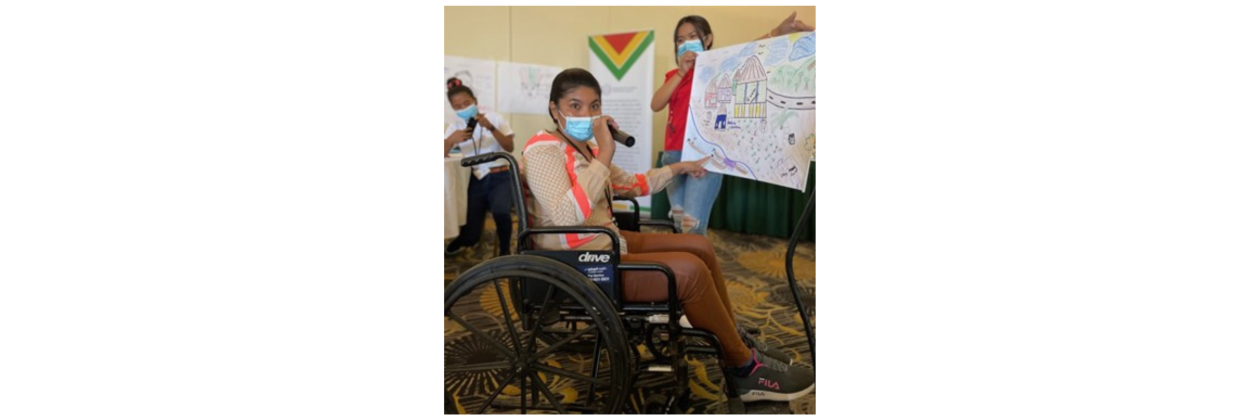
(621, 137)
(472, 123)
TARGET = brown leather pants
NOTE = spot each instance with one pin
(701, 288)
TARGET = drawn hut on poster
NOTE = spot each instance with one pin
(750, 89)
(724, 89)
(710, 94)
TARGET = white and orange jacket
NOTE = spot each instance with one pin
(562, 188)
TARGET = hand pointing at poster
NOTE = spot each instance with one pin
(695, 168)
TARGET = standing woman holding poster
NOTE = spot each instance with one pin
(691, 198)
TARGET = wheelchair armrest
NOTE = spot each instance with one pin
(634, 203)
(616, 241)
(655, 222)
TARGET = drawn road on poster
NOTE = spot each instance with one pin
(789, 102)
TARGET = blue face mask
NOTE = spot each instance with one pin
(691, 45)
(579, 128)
(466, 113)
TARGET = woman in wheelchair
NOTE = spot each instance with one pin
(570, 182)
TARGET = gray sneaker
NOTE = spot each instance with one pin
(773, 380)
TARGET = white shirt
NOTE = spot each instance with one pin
(482, 141)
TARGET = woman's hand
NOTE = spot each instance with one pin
(611, 121)
(455, 138)
(459, 136)
(685, 63)
(790, 25)
(694, 168)
(484, 122)
(603, 136)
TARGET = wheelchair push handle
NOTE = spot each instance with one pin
(486, 158)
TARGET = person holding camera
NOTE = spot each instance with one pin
(477, 133)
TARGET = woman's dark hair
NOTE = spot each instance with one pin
(701, 25)
(571, 79)
(454, 86)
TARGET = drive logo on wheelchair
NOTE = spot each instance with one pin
(587, 257)
(597, 266)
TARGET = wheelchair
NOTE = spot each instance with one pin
(548, 331)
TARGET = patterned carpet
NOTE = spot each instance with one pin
(757, 283)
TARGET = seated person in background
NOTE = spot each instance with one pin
(569, 182)
(490, 186)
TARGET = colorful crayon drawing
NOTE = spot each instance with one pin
(755, 115)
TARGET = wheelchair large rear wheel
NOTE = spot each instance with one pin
(498, 360)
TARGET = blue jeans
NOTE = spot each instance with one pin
(691, 199)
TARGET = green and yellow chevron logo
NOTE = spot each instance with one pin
(619, 52)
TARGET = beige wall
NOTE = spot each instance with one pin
(556, 36)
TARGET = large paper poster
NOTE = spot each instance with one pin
(525, 88)
(752, 110)
(623, 64)
(477, 75)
